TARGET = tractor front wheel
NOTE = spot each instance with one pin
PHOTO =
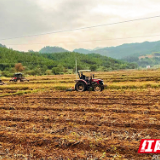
(80, 86)
(98, 88)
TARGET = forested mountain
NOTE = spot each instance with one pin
(126, 50)
(149, 51)
(49, 49)
(56, 63)
(152, 60)
(82, 50)
(33, 63)
(2, 46)
(89, 61)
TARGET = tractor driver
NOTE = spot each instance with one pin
(82, 76)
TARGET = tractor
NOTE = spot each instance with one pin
(86, 83)
(18, 76)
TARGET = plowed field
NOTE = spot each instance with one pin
(73, 125)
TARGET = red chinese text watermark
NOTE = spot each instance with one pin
(149, 146)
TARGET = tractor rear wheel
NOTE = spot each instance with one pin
(98, 88)
(80, 86)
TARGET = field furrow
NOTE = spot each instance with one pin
(51, 124)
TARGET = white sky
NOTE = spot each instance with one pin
(31, 17)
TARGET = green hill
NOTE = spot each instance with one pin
(152, 60)
(49, 49)
(56, 63)
(126, 50)
(34, 63)
(89, 61)
(82, 50)
(2, 46)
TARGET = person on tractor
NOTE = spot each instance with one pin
(82, 76)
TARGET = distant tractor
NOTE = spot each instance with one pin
(85, 83)
(18, 76)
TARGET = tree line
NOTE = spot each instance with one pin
(34, 63)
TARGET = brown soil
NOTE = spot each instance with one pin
(74, 125)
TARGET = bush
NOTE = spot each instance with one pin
(7, 74)
(58, 70)
(93, 67)
(48, 72)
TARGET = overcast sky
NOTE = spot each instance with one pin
(31, 17)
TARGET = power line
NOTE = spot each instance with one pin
(91, 40)
(82, 28)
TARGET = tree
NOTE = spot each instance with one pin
(58, 70)
(93, 67)
(48, 72)
(19, 67)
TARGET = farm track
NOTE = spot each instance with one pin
(70, 125)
